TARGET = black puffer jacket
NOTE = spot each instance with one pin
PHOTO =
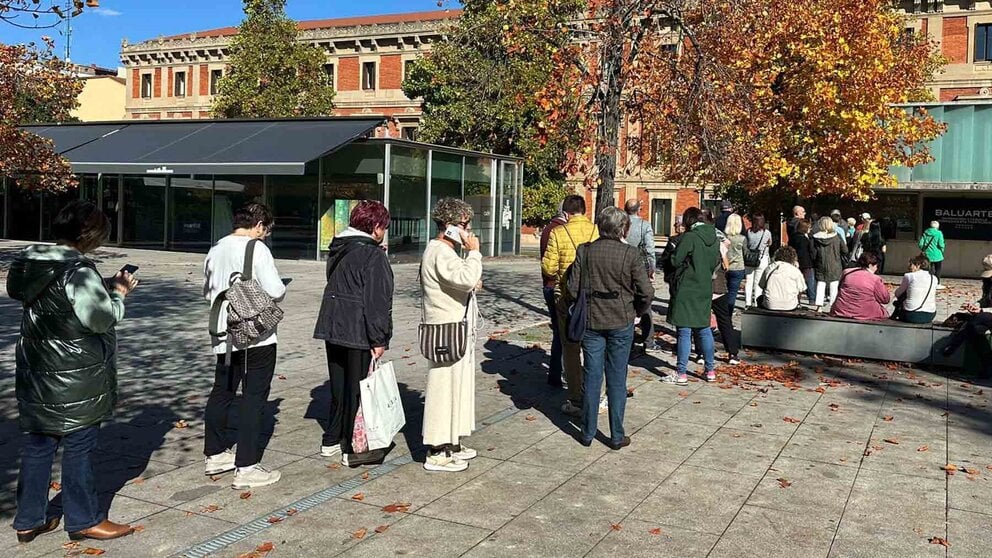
(66, 374)
(357, 309)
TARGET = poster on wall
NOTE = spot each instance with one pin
(960, 218)
(334, 220)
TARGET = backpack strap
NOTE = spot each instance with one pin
(249, 260)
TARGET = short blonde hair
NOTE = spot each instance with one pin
(826, 224)
(734, 225)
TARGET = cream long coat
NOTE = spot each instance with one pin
(449, 401)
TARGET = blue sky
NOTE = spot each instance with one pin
(97, 34)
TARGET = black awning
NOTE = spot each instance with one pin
(212, 147)
(68, 137)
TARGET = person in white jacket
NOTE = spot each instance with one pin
(783, 282)
(251, 367)
(449, 282)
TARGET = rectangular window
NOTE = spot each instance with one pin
(983, 42)
(146, 86)
(409, 133)
(329, 72)
(179, 84)
(407, 68)
(368, 76)
(215, 76)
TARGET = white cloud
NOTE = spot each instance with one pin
(106, 12)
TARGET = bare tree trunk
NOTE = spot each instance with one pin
(609, 97)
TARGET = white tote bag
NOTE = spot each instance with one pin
(381, 405)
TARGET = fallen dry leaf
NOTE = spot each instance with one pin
(784, 483)
(180, 424)
(55, 486)
(891, 441)
(530, 418)
(402, 507)
(139, 528)
(360, 534)
(90, 551)
(683, 394)
(381, 529)
(792, 420)
(334, 466)
(656, 531)
(266, 546)
(70, 545)
(950, 468)
(834, 407)
(940, 540)
(274, 519)
(358, 497)
(365, 476)
(616, 527)
(210, 509)
(971, 471)
(245, 495)
(924, 447)
(887, 418)
(189, 514)
(291, 512)
(215, 478)
(281, 377)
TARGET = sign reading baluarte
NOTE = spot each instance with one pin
(960, 218)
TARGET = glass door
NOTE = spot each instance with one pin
(508, 217)
(109, 200)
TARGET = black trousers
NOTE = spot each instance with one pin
(345, 368)
(725, 323)
(252, 369)
(974, 331)
(935, 268)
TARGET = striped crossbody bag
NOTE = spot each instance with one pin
(443, 343)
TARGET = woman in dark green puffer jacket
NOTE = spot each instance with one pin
(66, 372)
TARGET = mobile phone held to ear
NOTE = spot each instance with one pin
(453, 234)
(130, 269)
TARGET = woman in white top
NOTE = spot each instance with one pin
(250, 367)
(916, 297)
(783, 282)
(449, 282)
(759, 239)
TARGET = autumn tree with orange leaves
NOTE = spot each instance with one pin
(760, 94)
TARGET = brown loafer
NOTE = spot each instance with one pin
(621, 444)
(103, 531)
(32, 534)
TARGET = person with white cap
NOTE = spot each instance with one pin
(978, 326)
(932, 245)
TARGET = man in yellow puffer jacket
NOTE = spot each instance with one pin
(562, 245)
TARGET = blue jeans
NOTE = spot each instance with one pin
(554, 367)
(734, 280)
(605, 351)
(79, 494)
(705, 337)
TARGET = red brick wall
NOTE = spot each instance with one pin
(135, 83)
(348, 74)
(390, 71)
(948, 94)
(955, 41)
(155, 116)
(157, 83)
(684, 199)
(168, 86)
(181, 114)
(204, 80)
(642, 196)
(204, 114)
(924, 27)
(189, 82)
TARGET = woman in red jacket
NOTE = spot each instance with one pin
(862, 295)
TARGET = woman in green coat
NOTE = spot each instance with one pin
(66, 372)
(932, 244)
(695, 260)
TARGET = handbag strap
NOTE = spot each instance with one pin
(249, 260)
(423, 308)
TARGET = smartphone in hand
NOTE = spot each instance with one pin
(130, 269)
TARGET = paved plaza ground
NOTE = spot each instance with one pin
(841, 458)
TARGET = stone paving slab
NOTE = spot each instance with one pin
(714, 470)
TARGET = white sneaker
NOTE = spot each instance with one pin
(603, 405)
(733, 361)
(465, 453)
(330, 451)
(940, 287)
(254, 477)
(700, 360)
(444, 462)
(571, 409)
(220, 463)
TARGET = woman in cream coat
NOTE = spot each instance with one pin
(449, 283)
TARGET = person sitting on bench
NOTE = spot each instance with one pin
(916, 297)
(862, 294)
(978, 325)
(783, 282)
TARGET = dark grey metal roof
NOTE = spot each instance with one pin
(204, 147)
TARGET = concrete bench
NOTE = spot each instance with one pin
(805, 331)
